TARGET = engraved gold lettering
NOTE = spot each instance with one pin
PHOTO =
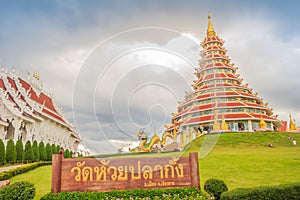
(159, 167)
(131, 168)
(114, 175)
(147, 172)
(78, 166)
(87, 173)
(179, 171)
(100, 173)
(168, 168)
(123, 173)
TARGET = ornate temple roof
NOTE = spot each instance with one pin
(26, 99)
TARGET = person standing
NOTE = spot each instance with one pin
(61, 152)
(294, 142)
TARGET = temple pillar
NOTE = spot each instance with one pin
(250, 126)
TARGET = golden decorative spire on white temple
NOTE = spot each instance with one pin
(210, 29)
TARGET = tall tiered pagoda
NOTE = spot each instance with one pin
(220, 101)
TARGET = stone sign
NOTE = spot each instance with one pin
(104, 174)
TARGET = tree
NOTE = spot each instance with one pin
(28, 151)
(67, 153)
(42, 151)
(19, 150)
(10, 151)
(35, 151)
(53, 147)
(2, 152)
(49, 152)
(57, 149)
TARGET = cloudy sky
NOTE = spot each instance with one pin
(117, 66)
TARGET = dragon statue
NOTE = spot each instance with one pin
(146, 147)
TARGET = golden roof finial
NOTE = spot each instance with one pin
(210, 29)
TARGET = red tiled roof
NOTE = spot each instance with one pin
(227, 93)
(230, 104)
(53, 115)
(199, 119)
(2, 84)
(253, 104)
(12, 83)
(203, 96)
(262, 115)
(43, 99)
(202, 107)
(40, 99)
(237, 116)
(231, 76)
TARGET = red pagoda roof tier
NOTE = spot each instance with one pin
(228, 117)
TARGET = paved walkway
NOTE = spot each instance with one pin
(2, 169)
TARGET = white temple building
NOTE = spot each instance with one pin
(28, 113)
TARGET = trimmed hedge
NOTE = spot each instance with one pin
(28, 153)
(2, 152)
(279, 192)
(22, 169)
(18, 190)
(11, 153)
(174, 193)
(48, 152)
(42, 151)
(35, 150)
(20, 150)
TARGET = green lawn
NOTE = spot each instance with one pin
(245, 160)
(240, 159)
(40, 177)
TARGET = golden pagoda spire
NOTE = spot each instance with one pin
(210, 29)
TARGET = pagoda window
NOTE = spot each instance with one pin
(194, 114)
(238, 110)
(258, 111)
(249, 110)
(221, 111)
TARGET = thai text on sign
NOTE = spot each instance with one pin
(103, 174)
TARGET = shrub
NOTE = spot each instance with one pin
(18, 190)
(22, 169)
(10, 151)
(28, 151)
(2, 152)
(42, 151)
(19, 150)
(174, 193)
(35, 150)
(280, 192)
(49, 152)
(215, 187)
